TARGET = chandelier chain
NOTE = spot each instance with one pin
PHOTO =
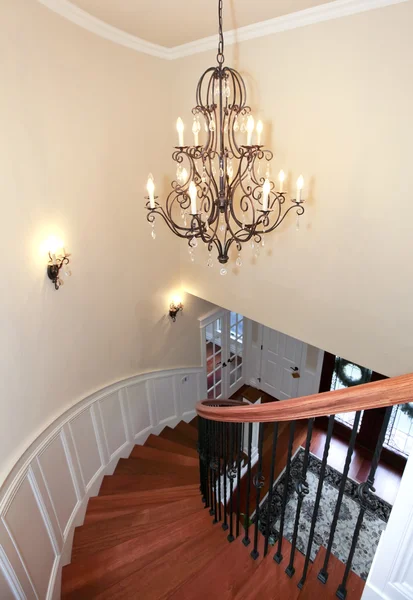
(220, 55)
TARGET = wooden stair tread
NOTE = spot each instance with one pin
(222, 577)
(102, 507)
(163, 456)
(175, 436)
(171, 570)
(160, 443)
(147, 535)
(120, 484)
(93, 574)
(142, 466)
(92, 538)
(313, 588)
(187, 430)
(270, 581)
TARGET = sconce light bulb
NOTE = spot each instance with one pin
(150, 186)
(54, 244)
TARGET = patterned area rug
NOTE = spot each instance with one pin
(373, 525)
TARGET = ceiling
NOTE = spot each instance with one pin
(174, 22)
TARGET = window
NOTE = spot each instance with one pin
(399, 434)
(347, 374)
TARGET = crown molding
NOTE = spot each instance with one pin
(80, 17)
(310, 16)
(302, 18)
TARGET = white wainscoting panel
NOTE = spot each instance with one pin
(5, 589)
(13, 568)
(83, 432)
(113, 424)
(29, 533)
(58, 479)
(189, 392)
(47, 492)
(139, 408)
(167, 412)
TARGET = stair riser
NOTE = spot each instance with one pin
(145, 452)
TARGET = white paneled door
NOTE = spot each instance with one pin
(281, 360)
(223, 339)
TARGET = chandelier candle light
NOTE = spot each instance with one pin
(223, 189)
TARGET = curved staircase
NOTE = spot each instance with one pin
(148, 535)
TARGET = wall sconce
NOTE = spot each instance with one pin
(174, 308)
(57, 262)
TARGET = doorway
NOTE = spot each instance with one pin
(223, 353)
(280, 362)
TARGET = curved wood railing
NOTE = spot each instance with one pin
(239, 448)
(379, 394)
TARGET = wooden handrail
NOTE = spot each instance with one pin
(379, 394)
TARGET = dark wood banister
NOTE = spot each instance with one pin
(379, 394)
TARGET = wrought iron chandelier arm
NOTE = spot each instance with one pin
(298, 206)
(172, 226)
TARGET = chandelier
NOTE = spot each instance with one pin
(223, 194)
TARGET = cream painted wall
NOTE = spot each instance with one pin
(336, 99)
(80, 129)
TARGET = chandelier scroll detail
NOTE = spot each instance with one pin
(223, 194)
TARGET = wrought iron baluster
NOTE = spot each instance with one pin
(205, 461)
(302, 490)
(211, 482)
(323, 574)
(278, 555)
(231, 474)
(366, 501)
(225, 438)
(246, 541)
(317, 499)
(201, 451)
(214, 468)
(219, 469)
(271, 484)
(239, 443)
(258, 483)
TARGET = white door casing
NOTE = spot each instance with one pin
(281, 357)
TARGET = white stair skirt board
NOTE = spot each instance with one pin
(51, 484)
